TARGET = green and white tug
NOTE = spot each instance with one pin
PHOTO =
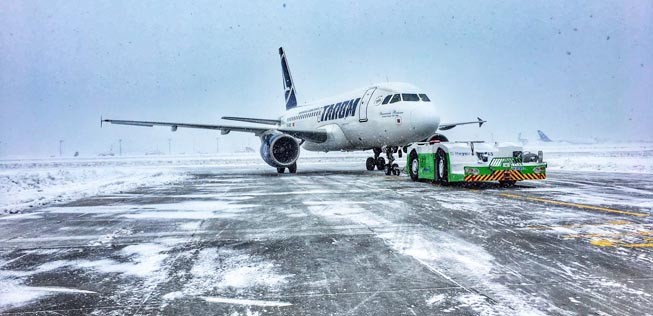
(473, 162)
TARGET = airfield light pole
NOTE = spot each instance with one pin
(60, 146)
(120, 147)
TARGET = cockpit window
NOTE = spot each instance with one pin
(387, 99)
(395, 98)
(424, 98)
(409, 97)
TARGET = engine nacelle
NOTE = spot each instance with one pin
(437, 137)
(279, 150)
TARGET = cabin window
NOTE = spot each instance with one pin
(424, 98)
(387, 99)
(409, 97)
(395, 98)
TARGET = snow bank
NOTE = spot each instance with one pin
(26, 186)
(29, 182)
(626, 157)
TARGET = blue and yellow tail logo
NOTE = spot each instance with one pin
(288, 86)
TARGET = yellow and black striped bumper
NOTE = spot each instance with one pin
(505, 175)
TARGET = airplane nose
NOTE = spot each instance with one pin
(424, 121)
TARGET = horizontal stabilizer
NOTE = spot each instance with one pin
(444, 127)
(252, 120)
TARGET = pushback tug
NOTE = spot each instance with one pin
(473, 162)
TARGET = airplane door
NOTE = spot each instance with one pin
(362, 113)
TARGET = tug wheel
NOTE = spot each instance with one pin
(413, 167)
(387, 169)
(441, 168)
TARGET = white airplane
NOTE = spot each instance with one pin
(382, 117)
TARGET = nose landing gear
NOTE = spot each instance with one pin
(292, 168)
(391, 168)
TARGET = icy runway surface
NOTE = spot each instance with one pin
(237, 239)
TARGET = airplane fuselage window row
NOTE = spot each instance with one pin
(311, 113)
(348, 108)
(331, 111)
(405, 97)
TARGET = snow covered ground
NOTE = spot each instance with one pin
(225, 235)
(609, 157)
(27, 183)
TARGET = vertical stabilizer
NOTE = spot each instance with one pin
(543, 136)
(288, 86)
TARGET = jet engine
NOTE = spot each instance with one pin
(279, 150)
(438, 137)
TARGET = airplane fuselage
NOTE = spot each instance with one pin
(380, 117)
(367, 118)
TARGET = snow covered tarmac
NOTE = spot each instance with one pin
(236, 239)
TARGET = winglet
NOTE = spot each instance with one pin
(480, 122)
(100, 121)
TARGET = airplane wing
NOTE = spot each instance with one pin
(316, 136)
(252, 120)
(448, 126)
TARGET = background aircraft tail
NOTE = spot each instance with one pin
(288, 86)
(543, 136)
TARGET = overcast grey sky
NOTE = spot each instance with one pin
(573, 69)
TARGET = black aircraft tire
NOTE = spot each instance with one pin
(387, 169)
(380, 163)
(370, 164)
(281, 170)
(413, 166)
(441, 168)
(293, 168)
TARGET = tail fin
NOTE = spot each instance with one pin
(543, 136)
(288, 86)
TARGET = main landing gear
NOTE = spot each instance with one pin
(292, 168)
(390, 168)
(375, 161)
